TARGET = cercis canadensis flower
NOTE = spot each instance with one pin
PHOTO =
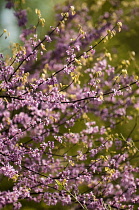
(22, 17)
(60, 108)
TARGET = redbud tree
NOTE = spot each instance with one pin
(69, 111)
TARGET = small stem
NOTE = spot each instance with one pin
(75, 197)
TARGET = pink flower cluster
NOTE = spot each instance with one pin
(59, 111)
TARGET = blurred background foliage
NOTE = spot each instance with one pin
(8, 20)
(120, 46)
